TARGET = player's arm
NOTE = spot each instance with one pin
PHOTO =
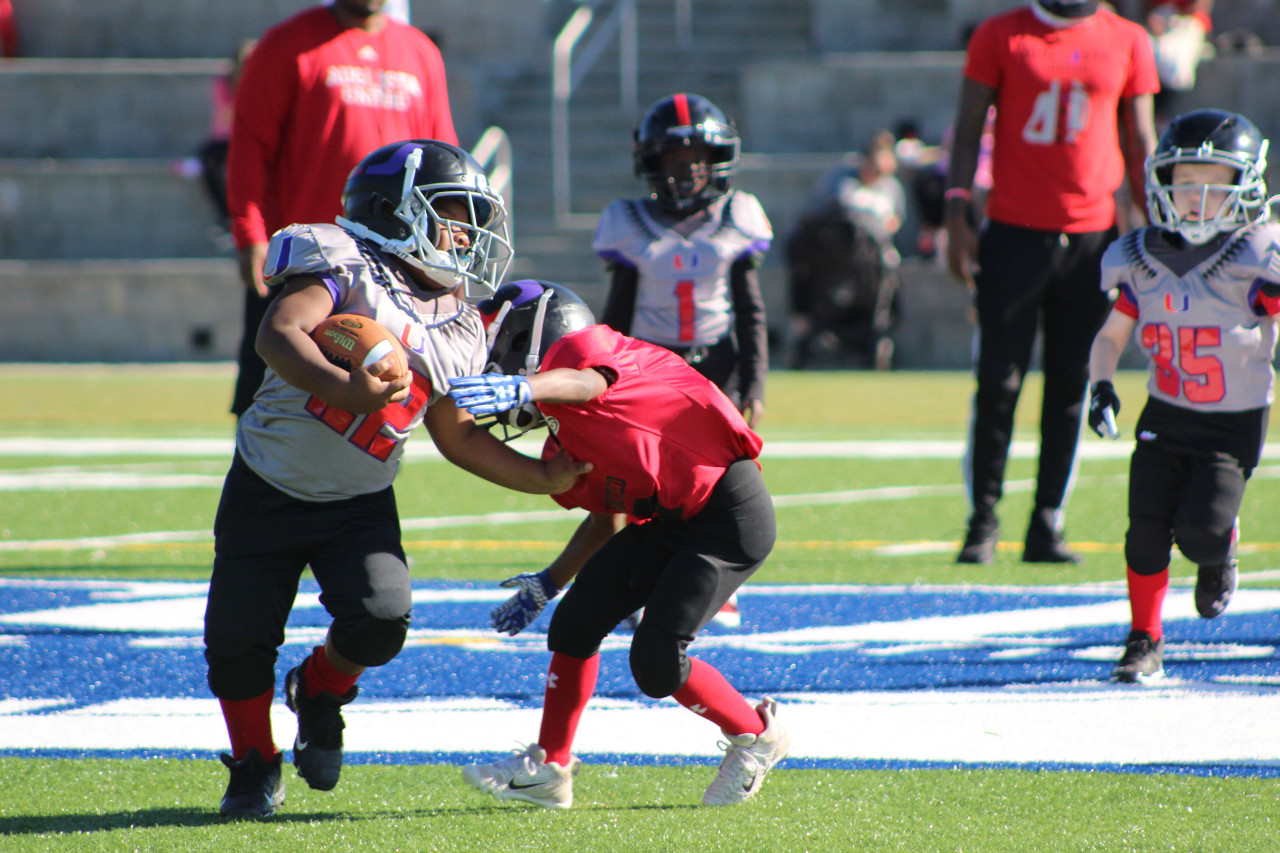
(285, 344)
(569, 385)
(971, 115)
(1108, 344)
(592, 533)
(1104, 356)
(1137, 143)
(620, 304)
(472, 448)
(753, 336)
(535, 589)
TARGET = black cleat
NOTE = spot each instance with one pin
(256, 789)
(980, 540)
(1142, 661)
(1214, 587)
(1044, 543)
(317, 751)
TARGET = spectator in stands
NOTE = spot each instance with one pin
(1072, 84)
(323, 89)
(1178, 30)
(213, 153)
(8, 30)
(843, 263)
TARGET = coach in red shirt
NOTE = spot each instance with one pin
(1072, 86)
(321, 90)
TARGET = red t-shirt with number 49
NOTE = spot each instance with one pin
(1057, 159)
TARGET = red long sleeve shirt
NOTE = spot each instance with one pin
(313, 100)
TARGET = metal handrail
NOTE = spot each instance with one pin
(493, 152)
(566, 74)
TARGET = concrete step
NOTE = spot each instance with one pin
(121, 311)
(75, 209)
(71, 108)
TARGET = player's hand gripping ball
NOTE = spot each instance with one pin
(350, 341)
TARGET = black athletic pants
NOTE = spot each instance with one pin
(680, 572)
(263, 540)
(1033, 281)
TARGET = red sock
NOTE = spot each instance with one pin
(570, 683)
(249, 725)
(709, 694)
(1146, 601)
(320, 676)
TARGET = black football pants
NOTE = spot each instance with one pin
(263, 540)
(1032, 281)
(680, 572)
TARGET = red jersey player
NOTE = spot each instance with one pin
(671, 452)
(1066, 77)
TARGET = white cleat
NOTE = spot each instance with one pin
(526, 776)
(747, 758)
(729, 616)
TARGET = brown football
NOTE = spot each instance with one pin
(350, 341)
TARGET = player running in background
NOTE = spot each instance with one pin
(683, 260)
(318, 449)
(675, 456)
(1199, 291)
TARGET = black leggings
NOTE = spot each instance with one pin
(263, 540)
(1189, 498)
(680, 572)
(1033, 281)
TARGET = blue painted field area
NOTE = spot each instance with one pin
(867, 676)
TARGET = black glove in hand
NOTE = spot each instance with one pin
(1103, 400)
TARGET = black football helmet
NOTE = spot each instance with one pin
(1210, 136)
(1069, 8)
(523, 319)
(389, 198)
(681, 121)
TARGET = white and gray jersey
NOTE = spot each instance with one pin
(683, 294)
(1206, 315)
(314, 451)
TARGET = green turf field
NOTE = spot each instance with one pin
(91, 805)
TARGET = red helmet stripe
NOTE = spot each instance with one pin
(682, 109)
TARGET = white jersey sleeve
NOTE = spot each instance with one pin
(314, 451)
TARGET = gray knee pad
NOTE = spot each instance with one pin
(658, 663)
(1203, 546)
(368, 641)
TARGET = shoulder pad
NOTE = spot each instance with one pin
(309, 250)
(743, 210)
(618, 225)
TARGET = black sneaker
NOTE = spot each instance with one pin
(317, 751)
(980, 540)
(1142, 661)
(256, 789)
(1044, 543)
(1214, 587)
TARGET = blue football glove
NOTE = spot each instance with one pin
(535, 590)
(490, 393)
(1104, 405)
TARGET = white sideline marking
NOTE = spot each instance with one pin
(1079, 723)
